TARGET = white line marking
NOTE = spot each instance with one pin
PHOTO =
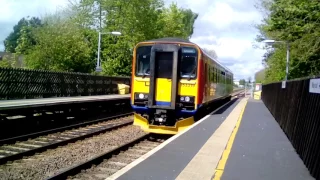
(145, 156)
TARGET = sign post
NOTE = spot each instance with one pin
(257, 91)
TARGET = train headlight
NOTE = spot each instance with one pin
(188, 99)
(141, 96)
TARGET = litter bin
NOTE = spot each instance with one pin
(123, 89)
(257, 95)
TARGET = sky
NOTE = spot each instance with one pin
(225, 26)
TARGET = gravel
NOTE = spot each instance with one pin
(81, 129)
(112, 165)
(59, 136)
(53, 161)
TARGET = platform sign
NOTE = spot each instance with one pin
(314, 86)
(258, 87)
(283, 85)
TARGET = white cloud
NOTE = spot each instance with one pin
(13, 10)
(228, 47)
(226, 27)
(222, 15)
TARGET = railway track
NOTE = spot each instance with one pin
(106, 164)
(18, 150)
(59, 129)
(54, 161)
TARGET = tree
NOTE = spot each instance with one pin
(138, 20)
(60, 46)
(242, 82)
(211, 53)
(260, 76)
(11, 60)
(176, 22)
(189, 19)
(67, 40)
(297, 22)
(5, 62)
(235, 85)
(24, 24)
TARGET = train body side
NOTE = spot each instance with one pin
(218, 81)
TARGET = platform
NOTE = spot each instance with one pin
(24, 103)
(239, 141)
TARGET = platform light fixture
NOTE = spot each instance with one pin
(271, 42)
(115, 33)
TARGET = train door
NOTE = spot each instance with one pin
(207, 84)
(163, 76)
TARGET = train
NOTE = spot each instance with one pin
(172, 80)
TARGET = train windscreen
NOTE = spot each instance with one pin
(143, 61)
(188, 62)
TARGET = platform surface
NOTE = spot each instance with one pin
(260, 150)
(20, 103)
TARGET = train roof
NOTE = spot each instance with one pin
(217, 61)
(170, 39)
(174, 39)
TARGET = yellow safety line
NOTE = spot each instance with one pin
(223, 161)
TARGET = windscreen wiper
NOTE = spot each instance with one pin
(189, 77)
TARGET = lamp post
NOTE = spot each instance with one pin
(271, 42)
(98, 67)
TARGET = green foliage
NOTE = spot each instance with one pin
(11, 60)
(189, 19)
(60, 46)
(68, 40)
(211, 53)
(175, 22)
(20, 33)
(242, 82)
(5, 63)
(260, 76)
(235, 85)
(297, 22)
(138, 20)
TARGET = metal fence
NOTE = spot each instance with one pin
(298, 113)
(25, 83)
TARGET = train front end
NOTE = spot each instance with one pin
(164, 86)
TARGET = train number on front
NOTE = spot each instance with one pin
(187, 85)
